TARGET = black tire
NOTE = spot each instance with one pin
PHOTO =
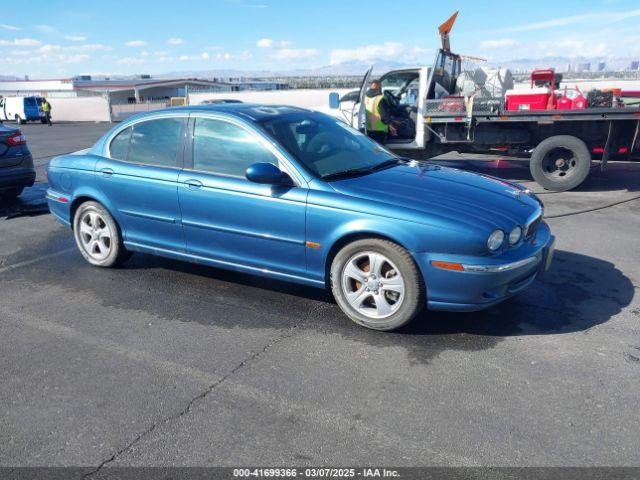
(560, 163)
(43, 120)
(413, 300)
(11, 193)
(19, 120)
(117, 253)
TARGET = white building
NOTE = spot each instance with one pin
(124, 97)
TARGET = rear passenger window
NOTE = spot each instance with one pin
(226, 149)
(156, 142)
(119, 146)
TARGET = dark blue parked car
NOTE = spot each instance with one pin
(296, 195)
(16, 163)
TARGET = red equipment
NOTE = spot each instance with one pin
(574, 101)
(539, 97)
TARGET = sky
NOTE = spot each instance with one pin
(53, 38)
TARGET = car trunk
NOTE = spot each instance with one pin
(10, 156)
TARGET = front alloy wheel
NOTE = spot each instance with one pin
(372, 284)
(377, 284)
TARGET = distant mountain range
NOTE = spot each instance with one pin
(560, 63)
(342, 69)
(356, 68)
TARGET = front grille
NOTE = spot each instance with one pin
(532, 227)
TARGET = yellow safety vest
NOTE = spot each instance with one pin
(46, 107)
(374, 120)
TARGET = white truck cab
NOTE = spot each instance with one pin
(402, 88)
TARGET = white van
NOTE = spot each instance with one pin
(22, 109)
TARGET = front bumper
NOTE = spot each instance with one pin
(486, 281)
(15, 177)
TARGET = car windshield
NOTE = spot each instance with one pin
(327, 147)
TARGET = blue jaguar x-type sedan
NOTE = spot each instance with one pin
(296, 195)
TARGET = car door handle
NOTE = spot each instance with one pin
(193, 184)
(106, 172)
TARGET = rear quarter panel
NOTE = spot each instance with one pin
(73, 176)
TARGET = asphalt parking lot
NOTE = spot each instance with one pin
(166, 363)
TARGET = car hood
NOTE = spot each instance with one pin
(438, 191)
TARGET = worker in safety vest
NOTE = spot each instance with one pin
(379, 121)
(46, 109)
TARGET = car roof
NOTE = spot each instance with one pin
(251, 111)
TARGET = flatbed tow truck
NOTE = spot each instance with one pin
(560, 144)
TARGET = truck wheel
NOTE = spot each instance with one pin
(19, 120)
(377, 284)
(560, 163)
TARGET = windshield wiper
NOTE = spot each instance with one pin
(364, 170)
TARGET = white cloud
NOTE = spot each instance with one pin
(245, 55)
(22, 42)
(370, 53)
(77, 58)
(136, 43)
(46, 28)
(91, 47)
(96, 47)
(496, 44)
(49, 48)
(175, 41)
(9, 27)
(76, 38)
(600, 17)
(131, 61)
(295, 53)
(205, 55)
(270, 43)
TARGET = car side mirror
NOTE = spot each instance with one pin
(334, 100)
(264, 173)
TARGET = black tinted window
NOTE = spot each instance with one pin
(156, 142)
(223, 148)
(120, 145)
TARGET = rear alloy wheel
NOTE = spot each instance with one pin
(560, 163)
(377, 284)
(19, 120)
(98, 236)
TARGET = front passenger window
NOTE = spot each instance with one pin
(226, 149)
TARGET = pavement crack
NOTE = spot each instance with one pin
(185, 411)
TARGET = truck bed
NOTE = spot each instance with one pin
(439, 111)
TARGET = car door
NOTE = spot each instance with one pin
(139, 176)
(360, 106)
(231, 219)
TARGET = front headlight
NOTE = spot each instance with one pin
(496, 240)
(515, 235)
